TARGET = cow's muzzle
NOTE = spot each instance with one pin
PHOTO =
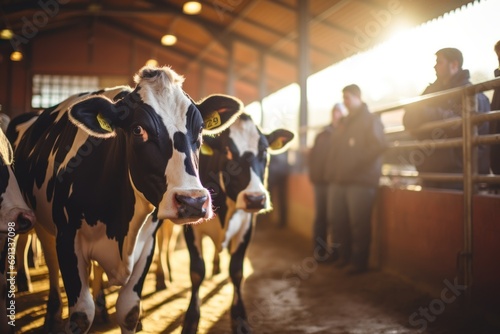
(255, 202)
(24, 222)
(191, 207)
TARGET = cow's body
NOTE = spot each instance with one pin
(15, 217)
(92, 186)
(235, 171)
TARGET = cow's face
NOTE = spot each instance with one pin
(243, 153)
(15, 216)
(162, 128)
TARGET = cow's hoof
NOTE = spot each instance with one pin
(132, 319)
(101, 311)
(78, 323)
(240, 326)
(138, 328)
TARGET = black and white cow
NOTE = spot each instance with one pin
(93, 170)
(233, 166)
(15, 217)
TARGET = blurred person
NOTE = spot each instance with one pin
(317, 167)
(449, 74)
(495, 125)
(353, 171)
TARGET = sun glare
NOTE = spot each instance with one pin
(402, 66)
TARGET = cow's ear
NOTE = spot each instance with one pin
(95, 115)
(278, 140)
(219, 112)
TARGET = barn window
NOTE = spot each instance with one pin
(49, 90)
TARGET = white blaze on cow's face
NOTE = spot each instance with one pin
(178, 132)
(247, 149)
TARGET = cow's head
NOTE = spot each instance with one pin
(15, 216)
(242, 157)
(162, 129)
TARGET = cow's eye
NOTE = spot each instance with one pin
(138, 130)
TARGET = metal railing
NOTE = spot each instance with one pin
(469, 142)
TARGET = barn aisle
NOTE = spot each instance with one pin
(286, 291)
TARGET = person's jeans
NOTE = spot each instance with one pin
(320, 218)
(349, 212)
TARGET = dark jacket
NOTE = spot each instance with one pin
(355, 155)
(445, 160)
(318, 154)
(494, 129)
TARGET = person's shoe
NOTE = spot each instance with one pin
(355, 270)
(327, 257)
(342, 263)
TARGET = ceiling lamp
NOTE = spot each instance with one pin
(152, 62)
(6, 33)
(168, 40)
(16, 56)
(191, 8)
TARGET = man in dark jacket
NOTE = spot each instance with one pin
(353, 170)
(317, 166)
(449, 74)
(495, 125)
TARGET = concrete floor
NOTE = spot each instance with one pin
(287, 290)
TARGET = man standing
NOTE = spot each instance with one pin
(354, 168)
(449, 74)
(495, 125)
(317, 166)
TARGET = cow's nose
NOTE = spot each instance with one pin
(190, 207)
(24, 223)
(255, 201)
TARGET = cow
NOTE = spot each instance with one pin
(93, 170)
(233, 166)
(15, 218)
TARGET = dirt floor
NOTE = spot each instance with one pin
(287, 290)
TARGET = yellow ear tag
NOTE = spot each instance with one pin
(213, 121)
(277, 144)
(206, 150)
(103, 123)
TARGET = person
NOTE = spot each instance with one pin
(317, 165)
(495, 125)
(354, 167)
(449, 74)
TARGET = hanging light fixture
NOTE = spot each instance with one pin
(16, 56)
(191, 8)
(152, 62)
(6, 33)
(168, 39)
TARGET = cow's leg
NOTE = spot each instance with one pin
(128, 304)
(162, 273)
(239, 323)
(74, 268)
(197, 272)
(101, 311)
(53, 318)
(23, 279)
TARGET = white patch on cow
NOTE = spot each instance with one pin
(245, 136)
(236, 228)
(256, 188)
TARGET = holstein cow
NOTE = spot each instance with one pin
(15, 217)
(233, 166)
(93, 170)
